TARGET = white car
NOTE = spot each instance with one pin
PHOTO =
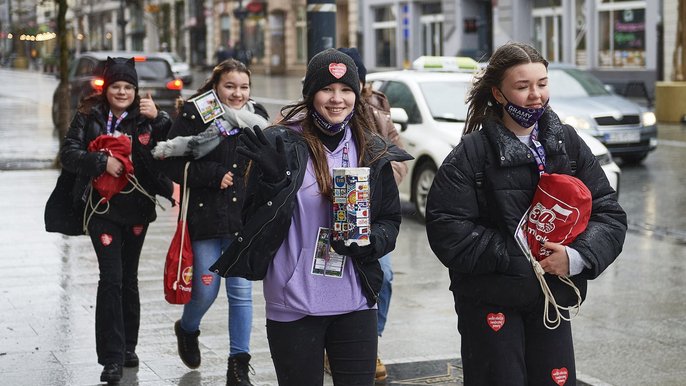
(180, 68)
(430, 108)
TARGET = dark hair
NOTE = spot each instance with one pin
(228, 65)
(482, 104)
(360, 125)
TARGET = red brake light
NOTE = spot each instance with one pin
(139, 59)
(97, 84)
(176, 84)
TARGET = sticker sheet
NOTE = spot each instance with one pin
(351, 205)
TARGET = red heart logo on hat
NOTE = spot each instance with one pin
(338, 70)
(496, 321)
(560, 376)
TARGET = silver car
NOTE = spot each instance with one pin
(626, 128)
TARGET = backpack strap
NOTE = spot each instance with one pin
(475, 149)
(572, 146)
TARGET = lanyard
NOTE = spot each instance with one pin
(223, 131)
(116, 123)
(345, 162)
(539, 152)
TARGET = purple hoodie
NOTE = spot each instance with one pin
(291, 291)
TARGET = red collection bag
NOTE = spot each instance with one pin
(120, 148)
(178, 267)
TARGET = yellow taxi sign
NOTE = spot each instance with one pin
(445, 63)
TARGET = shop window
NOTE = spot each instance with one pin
(301, 35)
(622, 37)
(385, 27)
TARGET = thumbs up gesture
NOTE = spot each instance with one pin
(147, 106)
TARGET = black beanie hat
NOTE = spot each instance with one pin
(117, 69)
(355, 54)
(327, 67)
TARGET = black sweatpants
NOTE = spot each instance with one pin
(506, 346)
(350, 341)
(117, 307)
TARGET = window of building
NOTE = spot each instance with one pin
(622, 34)
(384, 27)
(548, 35)
(225, 30)
(301, 35)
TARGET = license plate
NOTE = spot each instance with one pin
(623, 137)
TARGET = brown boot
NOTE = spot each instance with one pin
(381, 374)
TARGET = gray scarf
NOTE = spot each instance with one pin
(200, 145)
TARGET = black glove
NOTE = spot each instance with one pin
(353, 250)
(270, 160)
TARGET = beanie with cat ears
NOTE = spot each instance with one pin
(327, 67)
(117, 69)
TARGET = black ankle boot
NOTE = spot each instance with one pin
(111, 373)
(238, 373)
(188, 346)
(130, 359)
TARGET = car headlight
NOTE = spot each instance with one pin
(578, 123)
(648, 118)
(604, 159)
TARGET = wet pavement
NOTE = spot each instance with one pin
(631, 330)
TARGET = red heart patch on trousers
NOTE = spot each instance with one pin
(137, 230)
(106, 239)
(496, 321)
(207, 279)
(560, 376)
(338, 70)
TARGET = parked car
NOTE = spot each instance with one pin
(429, 106)
(154, 76)
(180, 68)
(626, 128)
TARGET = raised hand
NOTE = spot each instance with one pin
(147, 107)
(271, 160)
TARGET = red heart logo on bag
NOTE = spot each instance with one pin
(496, 321)
(338, 70)
(106, 239)
(144, 138)
(560, 376)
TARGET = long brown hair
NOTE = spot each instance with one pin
(482, 104)
(359, 124)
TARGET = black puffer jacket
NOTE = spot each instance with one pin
(212, 212)
(90, 122)
(479, 249)
(269, 210)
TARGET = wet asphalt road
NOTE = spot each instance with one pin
(631, 330)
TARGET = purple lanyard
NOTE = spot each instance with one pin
(116, 123)
(539, 152)
(223, 130)
(345, 162)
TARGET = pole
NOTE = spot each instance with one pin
(321, 26)
(121, 20)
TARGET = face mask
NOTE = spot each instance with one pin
(524, 116)
(331, 127)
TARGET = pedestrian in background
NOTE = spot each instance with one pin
(117, 229)
(289, 209)
(471, 222)
(379, 111)
(215, 179)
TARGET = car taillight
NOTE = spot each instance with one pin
(176, 84)
(139, 59)
(97, 84)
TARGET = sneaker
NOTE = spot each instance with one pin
(381, 374)
(238, 370)
(130, 359)
(111, 373)
(188, 346)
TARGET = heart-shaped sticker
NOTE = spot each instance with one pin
(560, 376)
(106, 239)
(137, 230)
(338, 70)
(144, 138)
(496, 321)
(207, 279)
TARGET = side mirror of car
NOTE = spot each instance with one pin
(399, 118)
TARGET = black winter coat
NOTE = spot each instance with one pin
(90, 122)
(212, 212)
(269, 209)
(479, 248)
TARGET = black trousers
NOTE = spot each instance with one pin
(117, 307)
(506, 346)
(350, 341)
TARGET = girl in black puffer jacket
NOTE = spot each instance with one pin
(498, 299)
(117, 228)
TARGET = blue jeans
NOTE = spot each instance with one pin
(205, 289)
(384, 301)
